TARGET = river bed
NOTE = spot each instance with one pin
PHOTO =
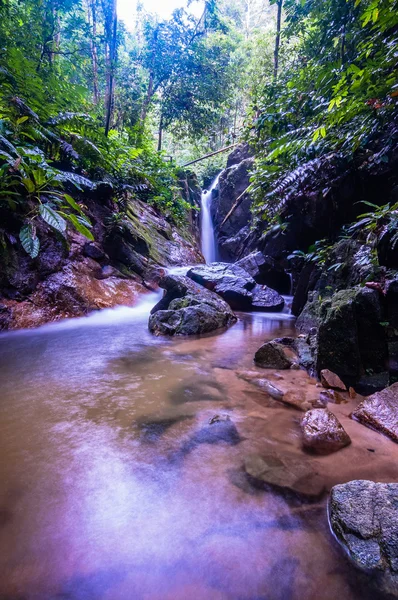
(110, 491)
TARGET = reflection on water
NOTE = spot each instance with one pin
(113, 485)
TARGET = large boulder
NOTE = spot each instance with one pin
(322, 432)
(237, 287)
(229, 281)
(188, 309)
(345, 334)
(380, 411)
(364, 518)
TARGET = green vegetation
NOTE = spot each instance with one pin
(84, 100)
(335, 91)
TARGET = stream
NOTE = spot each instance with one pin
(112, 487)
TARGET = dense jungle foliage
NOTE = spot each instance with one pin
(84, 99)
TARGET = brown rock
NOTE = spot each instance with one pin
(380, 411)
(284, 472)
(271, 355)
(352, 392)
(333, 396)
(331, 380)
(322, 432)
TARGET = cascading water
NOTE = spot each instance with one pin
(208, 238)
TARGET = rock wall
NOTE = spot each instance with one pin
(234, 180)
(73, 278)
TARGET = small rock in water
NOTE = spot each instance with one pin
(333, 396)
(265, 385)
(380, 412)
(219, 419)
(331, 380)
(322, 432)
(352, 392)
(364, 518)
(284, 472)
(271, 355)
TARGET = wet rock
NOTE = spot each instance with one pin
(266, 271)
(94, 251)
(233, 183)
(236, 287)
(364, 518)
(331, 380)
(380, 412)
(293, 398)
(331, 396)
(345, 333)
(188, 309)
(266, 299)
(271, 355)
(322, 432)
(229, 281)
(262, 383)
(284, 472)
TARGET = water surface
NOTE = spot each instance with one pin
(112, 489)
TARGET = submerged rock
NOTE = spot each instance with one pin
(236, 287)
(322, 432)
(271, 355)
(331, 380)
(380, 412)
(284, 472)
(188, 309)
(364, 518)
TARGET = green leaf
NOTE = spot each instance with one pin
(80, 227)
(30, 242)
(22, 120)
(72, 203)
(29, 185)
(52, 218)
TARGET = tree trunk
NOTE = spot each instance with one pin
(111, 57)
(160, 137)
(94, 52)
(278, 38)
(147, 100)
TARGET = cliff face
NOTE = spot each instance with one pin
(74, 278)
(232, 235)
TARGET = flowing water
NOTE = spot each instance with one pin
(113, 486)
(207, 226)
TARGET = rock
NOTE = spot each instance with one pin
(236, 286)
(94, 251)
(232, 183)
(285, 473)
(345, 333)
(188, 309)
(380, 412)
(364, 518)
(241, 152)
(265, 299)
(229, 281)
(322, 432)
(271, 355)
(331, 396)
(331, 380)
(262, 383)
(266, 271)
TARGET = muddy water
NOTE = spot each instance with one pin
(109, 490)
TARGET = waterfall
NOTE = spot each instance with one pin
(208, 238)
